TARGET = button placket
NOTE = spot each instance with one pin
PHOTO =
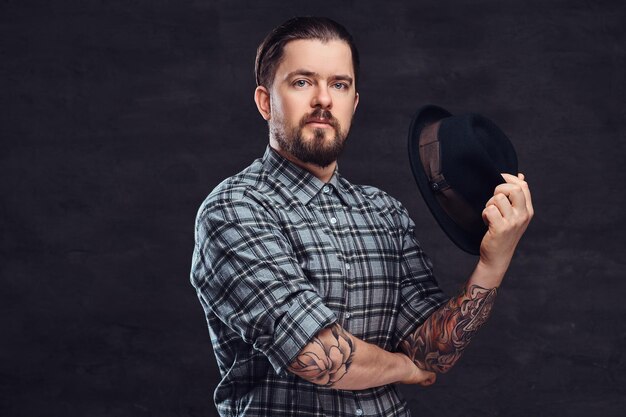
(328, 199)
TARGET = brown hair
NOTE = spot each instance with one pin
(270, 51)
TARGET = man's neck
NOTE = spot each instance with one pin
(323, 173)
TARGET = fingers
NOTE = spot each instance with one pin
(491, 215)
(429, 380)
(521, 181)
(507, 215)
(529, 201)
(510, 202)
(517, 191)
(509, 178)
(503, 204)
(507, 196)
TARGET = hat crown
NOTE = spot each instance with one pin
(472, 153)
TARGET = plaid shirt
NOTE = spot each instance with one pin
(280, 255)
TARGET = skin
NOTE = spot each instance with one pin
(439, 343)
(311, 75)
(315, 76)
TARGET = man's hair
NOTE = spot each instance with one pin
(270, 51)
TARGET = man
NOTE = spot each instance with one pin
(317, 296)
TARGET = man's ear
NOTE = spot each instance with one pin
(356, 102)
(262, 100)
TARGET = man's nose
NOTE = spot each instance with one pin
(322, 97)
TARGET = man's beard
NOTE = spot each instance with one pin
(318, 150)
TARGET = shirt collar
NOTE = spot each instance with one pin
(301, 182)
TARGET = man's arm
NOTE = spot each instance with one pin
(335, 358)
(440, 341)
(237, 253)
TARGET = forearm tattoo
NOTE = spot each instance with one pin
(438, 343)
(326, 359)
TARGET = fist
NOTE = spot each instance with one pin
(507, 215)
(415, 374)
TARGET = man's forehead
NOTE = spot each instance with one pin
(327, 58)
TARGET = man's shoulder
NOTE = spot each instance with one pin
(388, 207)
(375, 197)
(371, 192)
(246, 188)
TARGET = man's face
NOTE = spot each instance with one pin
(312, 100)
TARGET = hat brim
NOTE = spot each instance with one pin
(467, 241)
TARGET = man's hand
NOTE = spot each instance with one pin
(416, 375)
(507, 215)
(440, 341)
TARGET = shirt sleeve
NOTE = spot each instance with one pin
(420, 292)
(245, 270)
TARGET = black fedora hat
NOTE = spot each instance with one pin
(456, 162)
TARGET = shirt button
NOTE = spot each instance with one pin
(359, 412)
(326, 189)
(348, 315)
(348, 267)
(333, 220)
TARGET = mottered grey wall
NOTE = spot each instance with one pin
(117, 118)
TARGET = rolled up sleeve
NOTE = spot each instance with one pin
(245, 271)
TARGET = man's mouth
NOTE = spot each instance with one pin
(319, 122)
(320, 119)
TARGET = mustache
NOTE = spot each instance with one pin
(320, 113)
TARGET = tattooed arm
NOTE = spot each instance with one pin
(335, 358)
(440, 341)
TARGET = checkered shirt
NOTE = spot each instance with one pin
(279, 256)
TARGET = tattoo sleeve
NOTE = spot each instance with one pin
(327, 358)
(440, 341)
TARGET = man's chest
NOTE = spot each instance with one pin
(351, 255)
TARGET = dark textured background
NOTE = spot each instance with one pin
(118, 117)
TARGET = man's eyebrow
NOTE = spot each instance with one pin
(343, 78)
(313, 74)
(301, 72)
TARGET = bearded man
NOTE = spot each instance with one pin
(317, 295)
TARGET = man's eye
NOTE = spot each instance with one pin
(300, 83)
(340, 86)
